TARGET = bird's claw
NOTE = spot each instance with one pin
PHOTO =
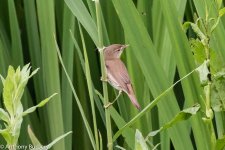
(104, 80)
(107, 105)
(111, 103)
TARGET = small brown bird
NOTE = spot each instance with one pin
(117, 74)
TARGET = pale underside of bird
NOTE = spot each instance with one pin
(117, 74)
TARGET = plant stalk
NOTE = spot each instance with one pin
(209, 112)
(103, 70)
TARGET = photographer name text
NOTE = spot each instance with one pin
(23, 147)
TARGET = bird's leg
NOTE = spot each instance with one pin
(103, 80)
(111, 103)
(120, 91)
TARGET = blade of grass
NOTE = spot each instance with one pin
(16, 51)
(90, 90)
(98, 103)
(50, 71)
(162, 42)
(68, 59)
(4, 55)
(91, 137)
(79, 10)
(36, 61)
(92, 9)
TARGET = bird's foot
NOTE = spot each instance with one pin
(107, 105)
(111, 103)
(104, 80)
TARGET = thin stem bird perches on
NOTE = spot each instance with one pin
(104, 84)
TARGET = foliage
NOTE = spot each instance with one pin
(13, 89)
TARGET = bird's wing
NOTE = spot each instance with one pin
(118, 72)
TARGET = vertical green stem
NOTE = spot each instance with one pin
(106, 101)
(105, 90)
(209, 112)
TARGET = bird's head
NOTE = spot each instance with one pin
(114, 51)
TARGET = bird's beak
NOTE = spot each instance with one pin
(125, 46)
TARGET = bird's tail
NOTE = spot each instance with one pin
(132, 97)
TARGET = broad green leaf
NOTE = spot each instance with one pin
(5, 133)
(200, 56)
(4, 115)
(42, 103)
(140, 143)
(198, 51)
(216, 62)
(19, 108)
(181, 116)
(15, 131)
(8, 90)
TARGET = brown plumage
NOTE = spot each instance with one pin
(117, 74)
